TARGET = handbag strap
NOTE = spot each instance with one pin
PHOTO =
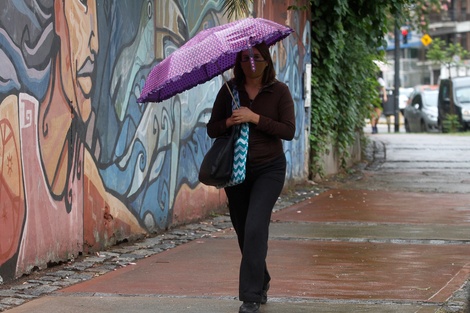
(236, 98)
(240, 151)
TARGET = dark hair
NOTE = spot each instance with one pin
(269, 74)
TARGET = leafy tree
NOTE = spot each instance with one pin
(437, 53)
(417, 12)
(447, 55)
(236, 8)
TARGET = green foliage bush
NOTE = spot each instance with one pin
(451, 123)
(347, 37)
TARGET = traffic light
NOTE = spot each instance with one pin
(404, 34)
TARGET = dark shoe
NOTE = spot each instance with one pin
(264, 296)
(249, 307)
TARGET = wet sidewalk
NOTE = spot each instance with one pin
(342, 250)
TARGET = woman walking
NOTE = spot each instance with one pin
(267, 106)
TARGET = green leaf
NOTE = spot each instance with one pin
(236, 8)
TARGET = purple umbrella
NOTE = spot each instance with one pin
(208, 54)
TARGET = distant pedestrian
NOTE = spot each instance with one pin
(379, 108)
(267, 105)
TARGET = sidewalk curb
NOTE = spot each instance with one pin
(375, 154)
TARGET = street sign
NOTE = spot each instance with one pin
(426, 39)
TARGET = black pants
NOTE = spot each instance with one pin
(250, 206)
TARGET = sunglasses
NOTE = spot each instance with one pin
(256, 58)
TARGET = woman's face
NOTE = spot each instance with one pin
(79, 47)
(259, 63)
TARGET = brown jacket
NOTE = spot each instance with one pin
(275, 106)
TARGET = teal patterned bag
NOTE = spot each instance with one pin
(241, 147)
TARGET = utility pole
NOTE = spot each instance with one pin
(396, 90)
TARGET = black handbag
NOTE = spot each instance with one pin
(216, 167)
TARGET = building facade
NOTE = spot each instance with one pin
(452, 25)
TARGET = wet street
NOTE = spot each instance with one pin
(419, 163)
(393, 236)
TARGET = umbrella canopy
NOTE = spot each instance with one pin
(208, 54)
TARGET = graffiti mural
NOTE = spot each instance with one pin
(84, 166)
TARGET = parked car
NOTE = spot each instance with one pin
(421, 112)
(454, 98)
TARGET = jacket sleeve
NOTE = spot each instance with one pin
(221, 110)
(284, 126)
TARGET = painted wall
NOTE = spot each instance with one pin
(82, 164)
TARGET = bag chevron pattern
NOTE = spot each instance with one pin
(240, 152)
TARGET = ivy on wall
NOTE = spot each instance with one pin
(347, 36)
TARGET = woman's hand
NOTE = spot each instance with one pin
(244, 115)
